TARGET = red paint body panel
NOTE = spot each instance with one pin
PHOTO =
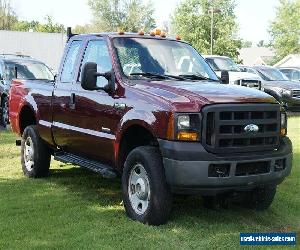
(148, 103)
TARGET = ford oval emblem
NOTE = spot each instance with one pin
(251, 128)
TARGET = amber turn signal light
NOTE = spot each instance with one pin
(187, 136)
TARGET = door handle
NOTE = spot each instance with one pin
(72, 101)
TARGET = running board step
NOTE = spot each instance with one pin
(105, 170)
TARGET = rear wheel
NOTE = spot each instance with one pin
(35, 155)
(4, 111)
(147, 197)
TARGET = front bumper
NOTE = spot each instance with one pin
(187, 168)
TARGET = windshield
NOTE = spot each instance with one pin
(272, 74)
(28, 71)
(222, 63)
(160, 57)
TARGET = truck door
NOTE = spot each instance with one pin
(62, 98)
(93, 118)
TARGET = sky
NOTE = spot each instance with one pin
(254, 16)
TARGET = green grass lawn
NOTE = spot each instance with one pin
(75, 208)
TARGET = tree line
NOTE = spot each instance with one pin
(191, 20)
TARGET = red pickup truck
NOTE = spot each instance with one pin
(123, 105)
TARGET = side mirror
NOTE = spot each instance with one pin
(90, 75)
(224, 77)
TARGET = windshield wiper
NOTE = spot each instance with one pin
(197, 77)
(154, 75)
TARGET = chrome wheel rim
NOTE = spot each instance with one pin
(139, 189)
(28, 154)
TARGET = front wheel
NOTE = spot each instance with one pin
(260, 198)
(147, 197)
(35, 155)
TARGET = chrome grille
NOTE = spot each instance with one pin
(256, 84)
(224, 127)
(296, 93)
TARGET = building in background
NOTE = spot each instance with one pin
(46, 47)
(256, 56)
(292, 60)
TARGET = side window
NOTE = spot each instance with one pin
(288, 73)
(296, 75)
(70, 61)
(97, 52)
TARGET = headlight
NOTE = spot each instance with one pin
(283, 123)
(188, 127)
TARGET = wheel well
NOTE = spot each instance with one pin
(133, 137)
(26, 119)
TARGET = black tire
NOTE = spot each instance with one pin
(260, 198)
(4, 112)
(39, 159)
(160, 198)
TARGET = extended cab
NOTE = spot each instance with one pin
(164, 129)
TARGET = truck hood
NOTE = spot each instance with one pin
(233, 76)
(287, 85)
(194, 95)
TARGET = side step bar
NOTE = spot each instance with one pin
(105, 170)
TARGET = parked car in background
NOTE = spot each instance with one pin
(236, 76)
(21, 67)
(278, 85)
(292, 73)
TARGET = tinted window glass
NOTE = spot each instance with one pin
(296, 75)
(162, 57)
(272, 74)
(70, 61)
(29, 70)
(97, 52)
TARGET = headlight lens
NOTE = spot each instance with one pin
(188, 127)
(183, 122)
(283, 124)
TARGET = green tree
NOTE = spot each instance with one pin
(246, 44)
(192, 21)
(49, 26)
(127, 15)
(285, 29)
(8, 16)
(261, 43)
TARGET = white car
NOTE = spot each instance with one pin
(236, 76)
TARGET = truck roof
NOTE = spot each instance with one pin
(214, 56)
(129, 35)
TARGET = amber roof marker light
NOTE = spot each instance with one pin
(121, 31)
(141, 32)
(163, 34)
(152, 33)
